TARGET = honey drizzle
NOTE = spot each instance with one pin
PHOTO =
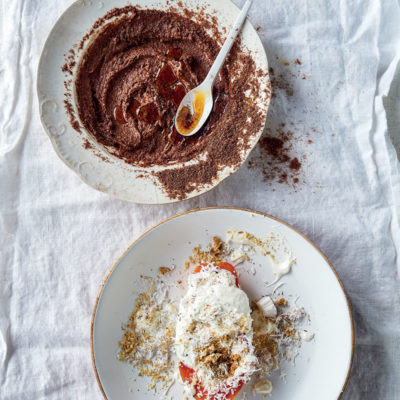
(186, 120)
(173, 90)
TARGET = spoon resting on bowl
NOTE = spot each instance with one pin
(197, 104)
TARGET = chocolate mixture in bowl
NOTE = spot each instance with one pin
(132, 77)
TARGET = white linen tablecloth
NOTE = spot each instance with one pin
(59, 237)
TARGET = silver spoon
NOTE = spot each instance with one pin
(197, 104)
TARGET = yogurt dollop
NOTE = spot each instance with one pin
(214, 330)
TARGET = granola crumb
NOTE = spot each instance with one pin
(281, 302)
(164, 270)
(150, 329)
(215, 252)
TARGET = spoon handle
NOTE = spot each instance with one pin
(228, 43)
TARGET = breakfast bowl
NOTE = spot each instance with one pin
(98, 115)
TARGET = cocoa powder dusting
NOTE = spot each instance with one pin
(125, 106)
(180, 181)
(86, 144)
(295, 164)
(279, 155)
(281, 82)
(275, 160)
(70, 112)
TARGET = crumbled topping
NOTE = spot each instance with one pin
(214, 253)
(164, 270)
(149, 334)
(218, 357)
(281, 302)
(276, 339)
(273, 245)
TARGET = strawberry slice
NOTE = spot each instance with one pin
(187, 375)
(222, 265)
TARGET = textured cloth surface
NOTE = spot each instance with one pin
(59, 237)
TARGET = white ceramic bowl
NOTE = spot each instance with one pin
(95, 165)
(323, 366)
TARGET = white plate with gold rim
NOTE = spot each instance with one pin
(95, 165)
(322, 368)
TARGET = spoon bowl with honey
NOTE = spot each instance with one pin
(197, 104)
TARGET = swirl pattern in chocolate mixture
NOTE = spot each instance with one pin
(133, 76)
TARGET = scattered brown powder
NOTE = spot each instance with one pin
(178, 182)
(295, 164)
(281, 82)
(86, 144)
(280, 155)
(70, 112)
(275, 158)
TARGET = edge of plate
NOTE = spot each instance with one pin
(221, 208)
